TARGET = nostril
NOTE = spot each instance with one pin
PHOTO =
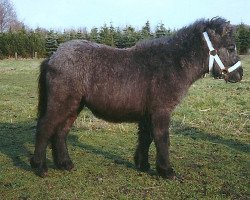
(239, 77)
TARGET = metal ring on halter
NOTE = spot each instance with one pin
(224, 71)
(213, 52)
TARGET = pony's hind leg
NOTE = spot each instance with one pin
(60, 110)
(144, 140)
(59, 147)
(46, 127)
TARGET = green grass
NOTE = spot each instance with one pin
(210, 146)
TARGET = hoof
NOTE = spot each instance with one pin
(143, 167)
(167, 173)
(42, 173)
(33, 164)
(39, 168)
(65, 165)
(140, 163)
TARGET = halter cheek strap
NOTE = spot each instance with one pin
(214, 57)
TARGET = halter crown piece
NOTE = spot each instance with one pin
(214, 57)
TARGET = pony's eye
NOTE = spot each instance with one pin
(231, 48)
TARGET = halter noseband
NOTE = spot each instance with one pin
(213, 56)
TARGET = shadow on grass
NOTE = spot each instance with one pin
(74, 141)
(195, 133)
(15, 137)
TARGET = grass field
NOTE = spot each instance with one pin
(210, 146)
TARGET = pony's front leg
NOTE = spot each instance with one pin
(160, 122)
(144, 141)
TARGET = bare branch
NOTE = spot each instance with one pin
(7, 15)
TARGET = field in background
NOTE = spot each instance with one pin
(210, 146)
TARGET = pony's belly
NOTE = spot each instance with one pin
(114, 101)
(116, 111)
(117, 116)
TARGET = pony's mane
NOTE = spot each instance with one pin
(187, 33)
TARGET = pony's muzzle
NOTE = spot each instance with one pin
(234, 76)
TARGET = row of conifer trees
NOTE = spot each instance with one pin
(42, 43)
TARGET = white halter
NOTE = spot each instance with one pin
(214, 56)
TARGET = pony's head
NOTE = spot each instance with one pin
(223, 59)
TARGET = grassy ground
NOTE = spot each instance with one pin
(210, 146)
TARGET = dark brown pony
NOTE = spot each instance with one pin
(140, 84)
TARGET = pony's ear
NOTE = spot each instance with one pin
(203, 27)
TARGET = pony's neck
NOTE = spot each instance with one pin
(183, 54)
(192, 54)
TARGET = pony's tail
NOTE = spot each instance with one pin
(42, 89)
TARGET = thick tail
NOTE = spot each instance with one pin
(42, 89)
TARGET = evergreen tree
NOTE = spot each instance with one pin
(119, 39)
(61, 38)
(94, 35)
(81, 34)
(162, 31)
(106, 36)
(23, 43)
(130, 36)
(243, 38)
(146, 31)
(112, 35)
(51, 44)
(38, 43)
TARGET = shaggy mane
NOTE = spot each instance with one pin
(179, 38)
